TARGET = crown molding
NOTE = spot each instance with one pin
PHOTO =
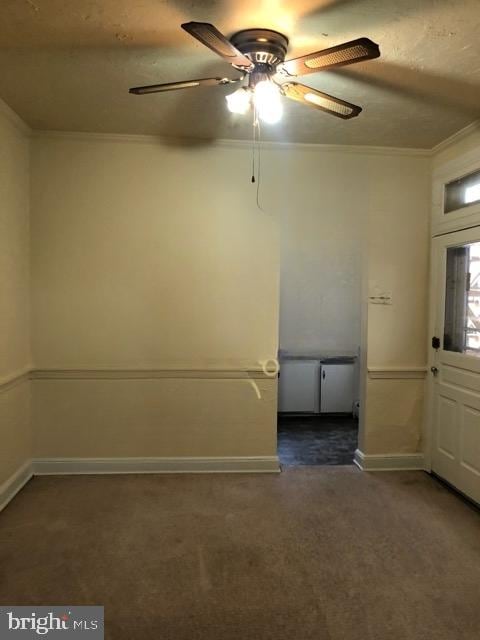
(10, 115)
(198, 143)
(456, 137)
(127, 138)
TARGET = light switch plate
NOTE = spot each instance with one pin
(381, 298)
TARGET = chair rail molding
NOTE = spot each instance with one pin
(396, 373)
(213, 373)
(9, 381)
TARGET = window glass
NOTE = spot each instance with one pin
(462, 300)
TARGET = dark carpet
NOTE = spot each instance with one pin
(313, 553)
(316, 440)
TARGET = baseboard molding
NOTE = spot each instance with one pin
(10, 488)
(73, 466)
(389, 462)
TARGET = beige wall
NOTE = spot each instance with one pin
(396, 262)
(146, 256)
(154, 257)
(15, 357)
(189, 417)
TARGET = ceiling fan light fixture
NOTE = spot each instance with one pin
(268, 102)
(259, 54)
(239, 101)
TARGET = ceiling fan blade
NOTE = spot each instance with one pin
(186, 84)
(211, 37)
(343, 54)
(318, 100)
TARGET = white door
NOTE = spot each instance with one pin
(455, 381)
(298, 386)
(336, 394)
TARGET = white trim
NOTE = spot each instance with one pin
(73, 466)
(461, 218)
(389, 462)
(14, 119)
(28, 373)
(10, 381)
(240, 144)
(153, 139)
(10, 488)
(456, 137)
(397, 373)
(145, 374)
(92, 466)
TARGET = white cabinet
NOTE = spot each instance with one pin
(298, 386)
(316, 386)
(337, 388)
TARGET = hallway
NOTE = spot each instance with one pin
(316, 440)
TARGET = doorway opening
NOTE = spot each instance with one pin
(318, 410)
(322, 276)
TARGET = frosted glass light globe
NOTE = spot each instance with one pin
(268, 102)
(239, 101)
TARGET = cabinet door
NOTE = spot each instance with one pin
(337, 386)
(298, 386)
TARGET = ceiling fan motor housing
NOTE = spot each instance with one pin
(264, 47)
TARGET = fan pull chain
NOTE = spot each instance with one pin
(253, 142)
(256, 149)
(259, 166)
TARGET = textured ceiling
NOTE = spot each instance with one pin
(68, 64)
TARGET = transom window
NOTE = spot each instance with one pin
(462, 192)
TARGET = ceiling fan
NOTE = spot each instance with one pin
(260, 55)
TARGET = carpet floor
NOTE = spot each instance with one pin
(324, 553)
(312, 440)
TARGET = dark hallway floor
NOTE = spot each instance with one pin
(316, 440)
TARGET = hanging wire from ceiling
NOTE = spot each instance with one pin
(256, 161)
